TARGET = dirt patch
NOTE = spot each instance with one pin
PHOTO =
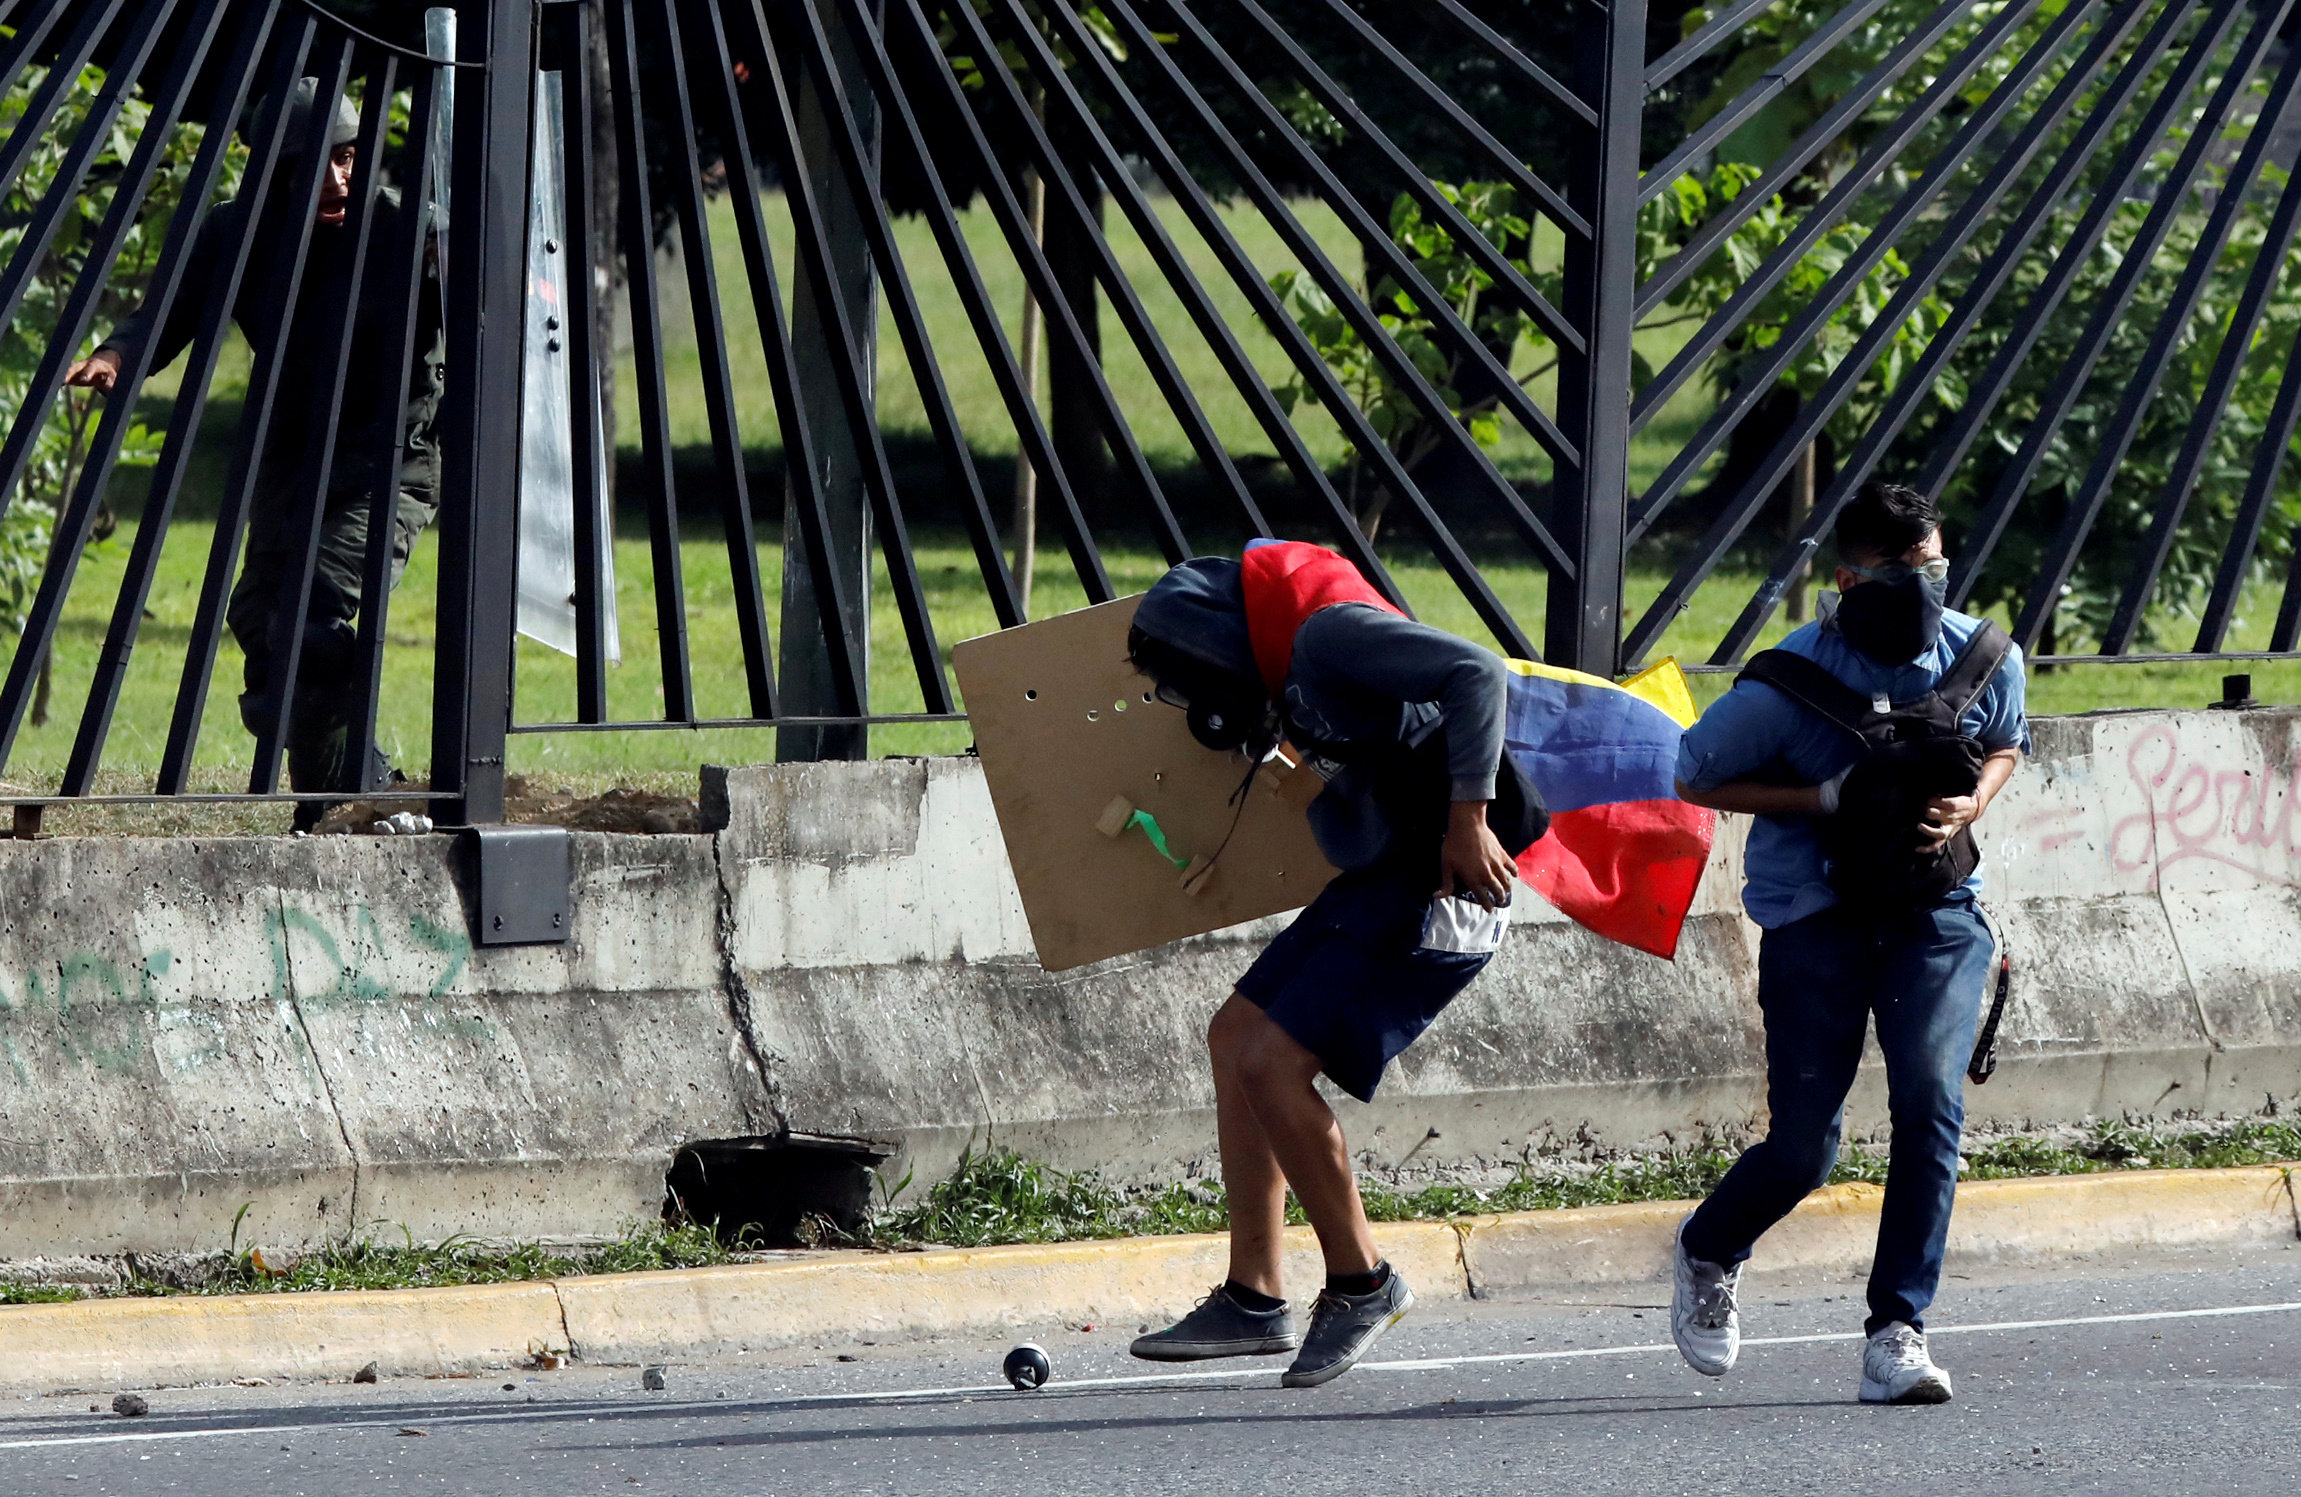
(622, 809)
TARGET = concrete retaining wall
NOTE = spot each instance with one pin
(187, 1026)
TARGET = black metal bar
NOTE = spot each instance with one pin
(1337, 101)
(847, 142)
(2229, 359)
(1212, 325)
(1823, 133)
(1973, 133)
(68, 537)
(1721, 25)
(657, 725)
(990, 332)
(111, 666)
(18, 48)
(1061, 321)
(479, 469)
(2282, 635)
(1973, 301)
(2260, 485)
(1380, 249)
(270, 367)
(685, 165)
(2085, 504)
(1063, 194)
(64, 189)
(848, 351)
(1509, 56)
(1306, 248)
(410, 254)
(568, 38)
(1513, 170)
(1950, 446)
(1917, 283)
(1778, 78)
(1584, 614)
(31, 127)
(333, 372)
(1977, 296)
(643, 300)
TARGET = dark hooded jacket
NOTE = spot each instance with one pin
(1403, 716)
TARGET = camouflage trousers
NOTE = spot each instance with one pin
(328, 690)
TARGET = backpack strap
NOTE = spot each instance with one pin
(1804, 682)
(1975, 667)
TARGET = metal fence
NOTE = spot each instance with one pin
(1582, 310)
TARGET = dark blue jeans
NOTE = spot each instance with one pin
(1921, 972)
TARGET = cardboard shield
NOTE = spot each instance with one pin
(1090, 776)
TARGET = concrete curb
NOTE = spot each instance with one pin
(846, 1297)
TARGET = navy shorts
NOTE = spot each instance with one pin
(1361, 973)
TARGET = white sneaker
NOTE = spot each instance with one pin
(1896, 1369)
(1703, 1318)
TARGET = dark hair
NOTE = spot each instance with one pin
(1884, 520)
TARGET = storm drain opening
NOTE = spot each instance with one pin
(776, 1191)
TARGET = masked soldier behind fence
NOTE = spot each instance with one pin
(381, 408)
(1866, 746)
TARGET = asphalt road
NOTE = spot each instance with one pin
(2172, 1374)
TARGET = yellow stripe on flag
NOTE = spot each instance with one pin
(1663, 685)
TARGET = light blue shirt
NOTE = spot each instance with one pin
(1754, 731)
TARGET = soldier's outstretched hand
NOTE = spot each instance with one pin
(99, 371)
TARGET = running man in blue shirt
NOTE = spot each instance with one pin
(1830, 957)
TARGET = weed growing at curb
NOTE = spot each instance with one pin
(999, 1196)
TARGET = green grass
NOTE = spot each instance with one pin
(999, 1196)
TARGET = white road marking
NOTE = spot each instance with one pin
(1225, 1374)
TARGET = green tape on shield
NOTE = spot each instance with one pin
(1150, 826)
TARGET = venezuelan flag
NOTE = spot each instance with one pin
(1624, 854)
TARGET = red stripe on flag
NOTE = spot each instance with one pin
(1627, 870)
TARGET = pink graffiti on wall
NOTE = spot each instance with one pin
(2202, 810)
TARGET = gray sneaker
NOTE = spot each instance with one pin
(1704, 1319)
(1220, 1327)
(1343, 1326)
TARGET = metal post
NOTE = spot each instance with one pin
(1584, 624)
(808, 687)
(485, 273)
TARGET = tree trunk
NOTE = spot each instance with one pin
(1026, 517)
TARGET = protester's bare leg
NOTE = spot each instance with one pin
(1274, 1073)
(1251, 1178)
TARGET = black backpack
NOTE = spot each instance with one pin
(1912, 754)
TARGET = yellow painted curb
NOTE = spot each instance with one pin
(873, 1296)
(845, 1297)
(140, 1343)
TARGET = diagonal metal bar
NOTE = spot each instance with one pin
(717, 377)
(2283, 635)
(1381, 250)
(1879, 239)
(1061, 319)
(1720, 27)
(2108, 311)
(1975, 299)
(643, 299)
(31, 127)
(302, 191)
(1212, 324)
(1007, 604)
(2253, 508)
(1488, 257)
(1777, 80)
(2229, 359)
(1307, 250)
(111, 665)
(1839, 386)
(1784, 169)
(408, 256)
(293, 602)
(848, 348)
(1376, 243)
(1509, 56)
(1063, 195)
(1506, 161)
(990, 333)
(66, 187)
